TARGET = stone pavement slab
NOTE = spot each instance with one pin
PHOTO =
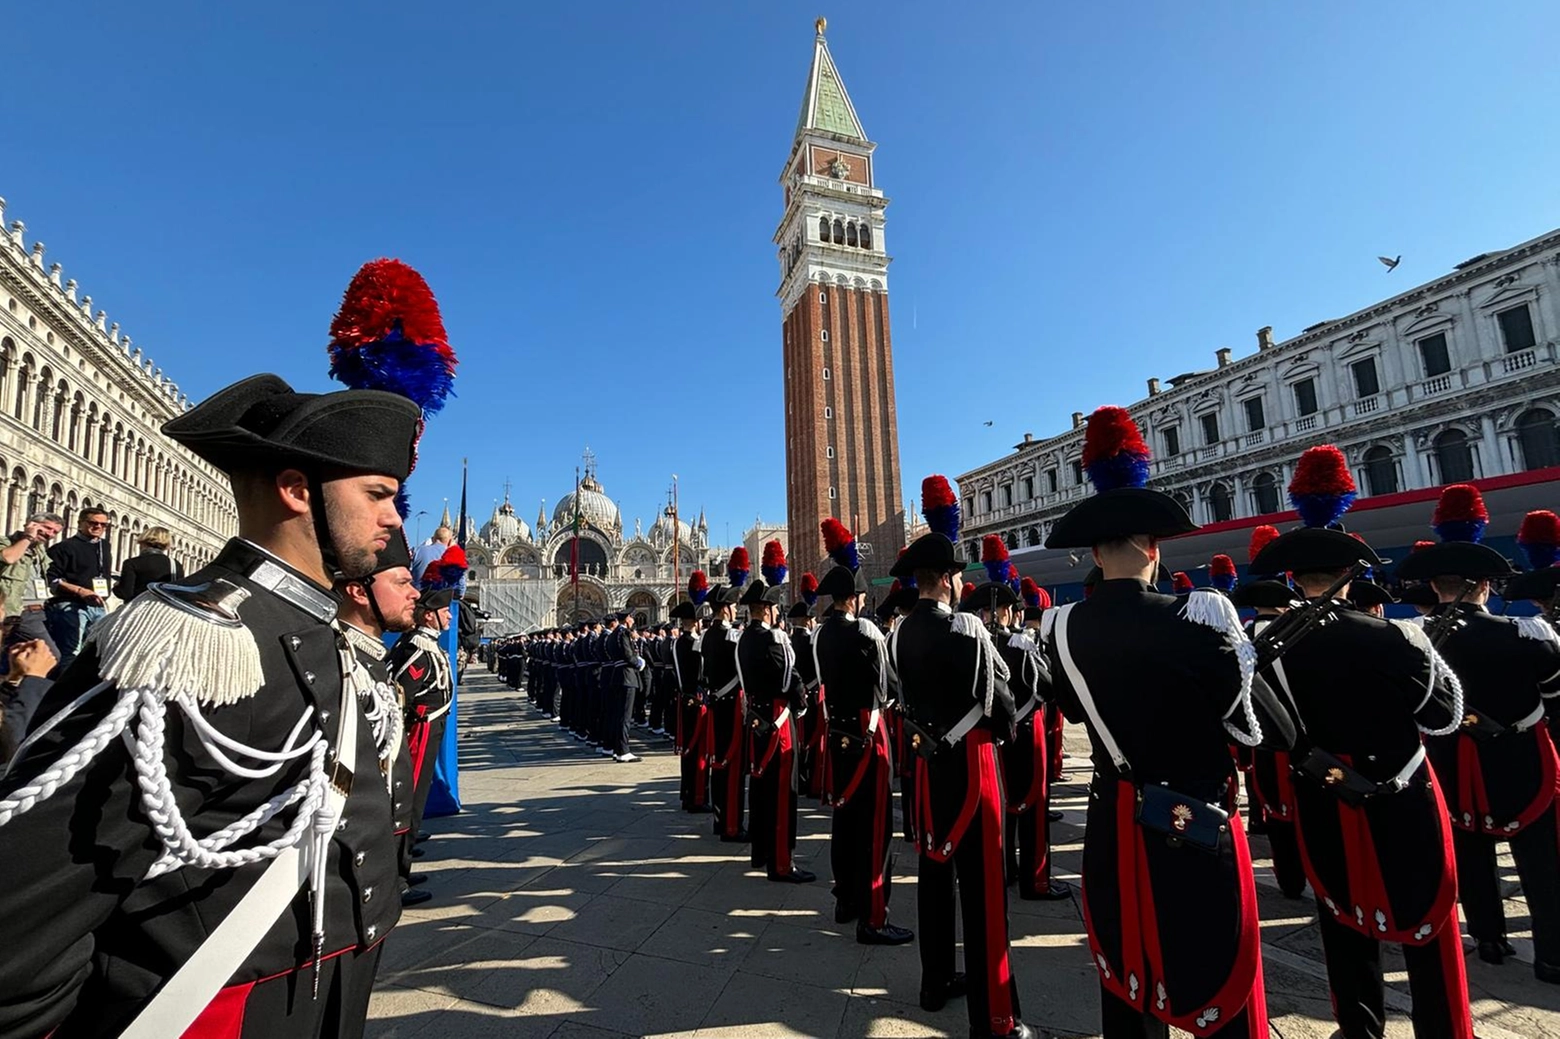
(574, 900)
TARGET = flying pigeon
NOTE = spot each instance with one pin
(987, 422)
(1391, 264)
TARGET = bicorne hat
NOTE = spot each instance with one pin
(1115, 457)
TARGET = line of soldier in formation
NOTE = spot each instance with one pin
(1384, 760)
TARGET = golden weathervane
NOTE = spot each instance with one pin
(822, 23)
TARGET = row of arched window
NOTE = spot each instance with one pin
(1451, 458)
(26, 495)
(845, 232)
(36, 396)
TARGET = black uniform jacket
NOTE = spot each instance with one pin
(424, 675)
(942, 675)
(719, 651)
(771, 685)
(82, 937)
(1499, 777)
(623, 651)
(1024, 759)
(850, 666)
(1164, 687)
(372, 653)
(1363, 687)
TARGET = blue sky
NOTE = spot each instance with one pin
(1084, 195)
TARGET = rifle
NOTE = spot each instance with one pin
(1441, 626)
(1280, 636)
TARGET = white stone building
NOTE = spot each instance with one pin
(80, 413)
(1454, 380)
(521, 573)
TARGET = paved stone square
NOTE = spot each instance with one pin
(574, 900)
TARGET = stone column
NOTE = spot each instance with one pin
(1492, 462)
(1414, 475)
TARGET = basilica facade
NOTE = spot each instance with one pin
(523, 572)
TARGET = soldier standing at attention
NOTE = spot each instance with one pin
(728, 741)
(232, 692)
(691, 721)
(1369, 816)
(1499, 767)
(956, 707)
(1163, 683)
(851, 658)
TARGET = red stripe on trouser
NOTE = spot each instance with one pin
(733, 772)
(417, 747)
(782, 856)
(1129, 864)
(223, 1017)
(881, 793)
(1472, 800)
(999, 981)
(1454, 976)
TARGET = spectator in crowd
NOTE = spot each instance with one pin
(432, 552)
(152, 564)
(78, 576)
(26, 681)
(24, 563)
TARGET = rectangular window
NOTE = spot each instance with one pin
(1029, 488)
(1172, 435)
(985, 501)
(1256, 418)
(823, 297)
(1305, 397)
(1077, 471)
(1007, 496)
(1436, 357)
(1365, 382)
(1051, 480)
(1516, 327)
(1210, 428)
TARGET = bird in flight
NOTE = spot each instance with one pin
(1391, 264)
(987, 422)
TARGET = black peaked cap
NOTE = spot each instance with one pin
(261, 422)
(759, 592)
(1122, 513)
(1264, 594)
(1459, 558)
(1369, 593)
(1310, 549)
(928, 552)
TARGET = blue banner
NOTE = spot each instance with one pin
(444, 797)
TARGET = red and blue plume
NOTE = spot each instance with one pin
(1044, 601)
(894, 589)
(967, 591)
(1180, 583)
(1029, 591)
(809, 588)
(447, 571)
(388, 335)
(698, 588)
(1261, 538)
(1323, 488)
(1221, 573)
(1460, 515)
(1539, 538)
(994, 556)
(940, 507)
(772, 565)
(1114, 452)
(738, 567)
(1419, 546)
(1014, 580)
(840, 543)
(909, 578)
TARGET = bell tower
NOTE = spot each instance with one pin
(842, 431)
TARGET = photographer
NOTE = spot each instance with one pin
(25, 562)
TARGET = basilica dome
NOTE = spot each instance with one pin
(505, 527)
(595, 508)
(661, 533)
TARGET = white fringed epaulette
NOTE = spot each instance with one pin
(870, 630)
(185, 642)
(425, 641)
(1213, 609)
(1536, 628)
(733, 635)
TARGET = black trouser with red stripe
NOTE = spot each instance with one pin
(285, 1005)
(772, 817)
(1437, 981)
(992, 994)
(861, 837)
(728, 765)
(1287, 867)
(1536, 849)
